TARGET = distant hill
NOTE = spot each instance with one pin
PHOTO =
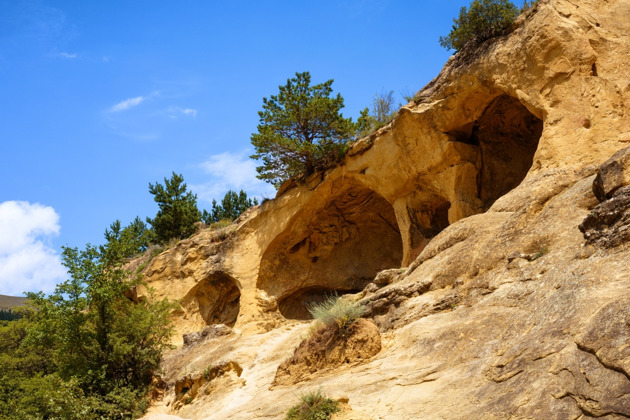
(8, 302)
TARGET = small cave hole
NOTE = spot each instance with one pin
(507, 135)
(217, 299)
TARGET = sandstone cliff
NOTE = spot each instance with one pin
(506, 291)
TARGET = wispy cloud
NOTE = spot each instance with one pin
(174, 112)
(27, 263)
(127, 104)
(67, 55)
(231, 171)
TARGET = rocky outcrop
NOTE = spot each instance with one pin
(505, 245)
(608, 224)
(326, 349)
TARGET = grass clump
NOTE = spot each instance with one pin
(313, 406)
(337, 311)
(223, 223)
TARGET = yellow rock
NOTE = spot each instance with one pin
(477, 189)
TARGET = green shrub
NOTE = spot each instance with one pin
(337, 311)
(483, 20)
(313, 406)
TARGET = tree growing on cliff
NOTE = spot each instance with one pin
(483, 19)
(301, 130)
(232, 206)
(177, 212)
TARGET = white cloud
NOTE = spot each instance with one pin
(67, 55)
(231, 171)
(27, 262)
(127, 103)
(174, 112)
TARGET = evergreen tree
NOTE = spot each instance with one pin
(301, 130)
(177, 212)
(130, 240)
(232, 206)
(8, 315)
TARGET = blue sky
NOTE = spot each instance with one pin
(100, 98)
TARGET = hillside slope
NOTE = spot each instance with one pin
(8, 302)
(494, 193)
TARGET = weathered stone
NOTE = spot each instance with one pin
(612, 175)
(328, 348)
(608, 224)
(497, 155)
(210, 331)
(386, 277)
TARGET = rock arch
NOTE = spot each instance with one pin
(336, 245)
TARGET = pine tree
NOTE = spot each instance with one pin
(232, 206)
(301, 130)
(177, 212)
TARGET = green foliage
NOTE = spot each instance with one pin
(483, 19)
(337, 311)
(383, 112)
(232, 206)
(177, 212)
(313, 406)
(129, 241)
(221, 224)
(8, 315)
(301, 130)
(86, 351)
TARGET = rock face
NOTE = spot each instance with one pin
(505, 242)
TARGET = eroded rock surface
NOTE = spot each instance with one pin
(327, 348)
(494, 304)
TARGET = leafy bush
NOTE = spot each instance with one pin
(86, 351)
(483, 20)
(337, 311)
(129, 241)
(313, 406)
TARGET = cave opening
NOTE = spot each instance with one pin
(507, 135)
(296, 305)
(336, 247)
(216, 299)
